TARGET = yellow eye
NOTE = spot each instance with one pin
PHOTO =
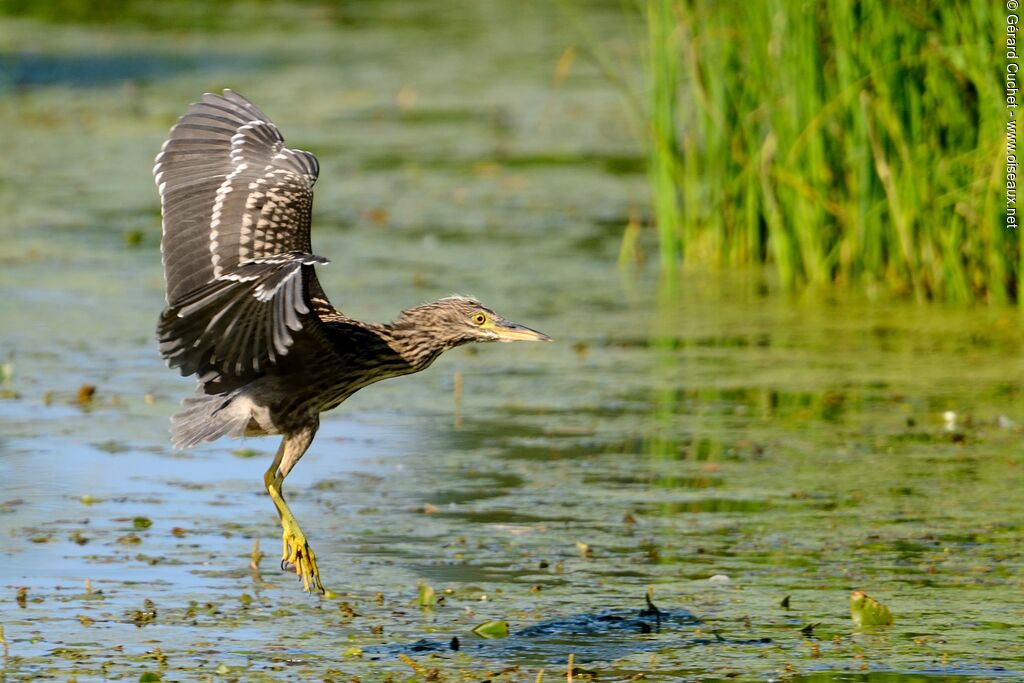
(479, 319)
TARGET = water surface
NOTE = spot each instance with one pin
(794, 447)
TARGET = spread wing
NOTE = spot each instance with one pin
(242, 321)
(230, 191)
(236, 207)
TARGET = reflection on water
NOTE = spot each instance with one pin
(786, 447)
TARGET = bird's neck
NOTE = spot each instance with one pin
(417, 346)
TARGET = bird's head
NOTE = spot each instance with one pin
(458, 320)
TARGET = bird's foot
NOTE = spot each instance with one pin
(297, 556)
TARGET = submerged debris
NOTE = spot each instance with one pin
(651, 610)
(255, 557)
(86, 393)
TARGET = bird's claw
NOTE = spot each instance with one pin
(297, 556)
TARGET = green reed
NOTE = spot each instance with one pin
(843, 142)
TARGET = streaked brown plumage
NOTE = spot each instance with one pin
(245, 313)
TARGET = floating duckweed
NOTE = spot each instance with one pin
(142, 522)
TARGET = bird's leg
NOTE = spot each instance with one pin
(296, 552)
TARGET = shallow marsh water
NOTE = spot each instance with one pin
(798, 448)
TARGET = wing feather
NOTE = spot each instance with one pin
(224, 162)
(242, 321)
(236, 205)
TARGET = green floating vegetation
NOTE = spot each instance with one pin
(133, 238)
(844, 143)
(426, 596)
(142, 522)
(866, 611)
(492, 629)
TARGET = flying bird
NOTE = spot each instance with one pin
(245, 313)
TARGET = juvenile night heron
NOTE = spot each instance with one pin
(245, 313)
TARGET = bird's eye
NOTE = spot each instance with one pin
(479, 319)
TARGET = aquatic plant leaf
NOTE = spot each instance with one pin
(142, 522)
(866, 611)
(427, 597)
(492, 629)
(149, 677)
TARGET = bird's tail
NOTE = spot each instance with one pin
(206, 418)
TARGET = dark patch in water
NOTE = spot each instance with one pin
(606, 634)
(595, 636)
(29, 69)
(492, 485)
(611, 621)
(702, 505)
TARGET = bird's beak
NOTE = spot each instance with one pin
(508, 331)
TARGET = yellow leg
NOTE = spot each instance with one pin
(296, 553)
